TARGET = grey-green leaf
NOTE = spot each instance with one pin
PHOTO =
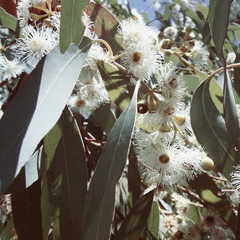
(210, 128)
(218, 22)
(152, 229)
(237, 74)
(27, 212)
(9, 21)
(36, 107)
(136, 220)
(29, 174)
(99, 205)
(66, 173)
(71, 26)
(230, 112)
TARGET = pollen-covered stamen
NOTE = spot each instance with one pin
(80, 103)
(164, 158)
(210, 220)
(137, 57)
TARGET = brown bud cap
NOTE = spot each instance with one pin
(183, 48)
(188, 30)
(179, 120)
(207, 163)
(160, 36)
(165, 43)
(191, 44)
(152, 104)
(168, 52)
(58, 8)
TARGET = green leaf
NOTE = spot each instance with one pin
(207, 189)
(136, 220)
(152, 230)
(7, 232)
(46, 208)
(9, 21)
(206, 32)
(230, 112)
(27, 213)
(210, 128)
(99, 205)
(105, 118)
(193, 15)
(66, 173)
(191, 82)
(71, 26)
(37, 106)
(117, 85)
(237, 74)
(218, 22)
(134, 180)
(105, 25)
(28, 175)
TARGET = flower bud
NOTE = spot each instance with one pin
(191, 44)
(165, 43)
(183, 48)
(165, 128)
(152, 104)
(207, 163)
(142, 106)
(179, 120)
(58, 8)
(160, 36)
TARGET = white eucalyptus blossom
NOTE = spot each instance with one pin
(170, 163)
(199, 54)
(170, 32)
(236, 179)
(141, 61)
(95, 54)
(135, 31)
(10, 68)
(36, 42)
(23, 12)
(91, 94)
(169, 83)
(210, 222)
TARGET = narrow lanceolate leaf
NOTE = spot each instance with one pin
(218, 22)
(134, 180)
(210, 128)
(136, 220)
(36, 108)
(105, 25)
(27, 212)
(230, 112)
(99, 205)
(9, 21)
(237, 74)
(8, 231)
(66, 173)
(117, 85)
(105, 118)
(206, 32)
(28, 175)
(71, 26)
(152, 229)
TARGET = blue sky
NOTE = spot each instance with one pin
(142, 6)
